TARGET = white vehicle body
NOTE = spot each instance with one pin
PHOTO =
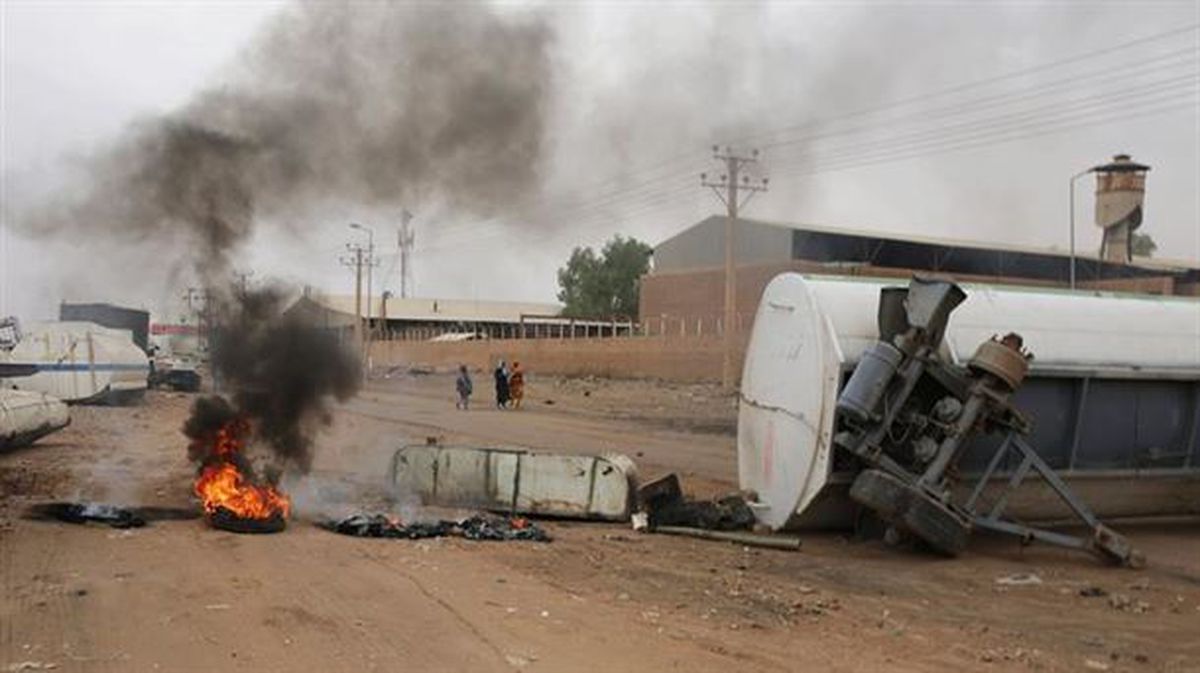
(80, 362)
(26, 416)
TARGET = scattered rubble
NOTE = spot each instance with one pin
(30, 666)
(1124, 603)
(1019, 580)
(664, 509)
(498, 528)
(478, 527)
(384, 525)
(1008, 654)
(663, 501)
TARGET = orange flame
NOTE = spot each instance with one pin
(222, 485)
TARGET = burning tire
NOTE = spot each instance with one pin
(911, 511)
(223, 519)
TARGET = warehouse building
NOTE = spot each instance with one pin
(687, 281)
(423, 318)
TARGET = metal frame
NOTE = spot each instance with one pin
(1104, 542)
(985, 397)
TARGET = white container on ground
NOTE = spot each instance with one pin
(514, 480)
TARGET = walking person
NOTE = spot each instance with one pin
(464, 388)
(516, 385)
(501, 375)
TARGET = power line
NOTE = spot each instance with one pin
(616, 197)
(966, 86)
(666, 200)
(601, 203)
(996, 126)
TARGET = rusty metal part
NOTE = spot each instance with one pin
(1005, 363)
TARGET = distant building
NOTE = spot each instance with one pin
(395, 317)
(687, 281)
(111, 316)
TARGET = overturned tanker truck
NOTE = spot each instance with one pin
(943, 409)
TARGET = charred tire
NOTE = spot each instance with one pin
(911, 510)
(223, 519)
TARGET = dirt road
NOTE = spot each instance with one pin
(178, 596)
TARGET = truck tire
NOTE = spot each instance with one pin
(912, 511)
(937, 525)
(880, 492)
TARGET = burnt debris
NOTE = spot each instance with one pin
(477, 527)
(665, 505)
(382, 525)
(114, 516)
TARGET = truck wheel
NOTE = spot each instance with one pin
(937, 525)
(879, 491)
(911, 510)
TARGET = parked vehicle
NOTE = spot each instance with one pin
(27, 416)
(79, 362)
(174, 372)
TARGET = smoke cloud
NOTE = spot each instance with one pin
(282, 374)
(365, 103)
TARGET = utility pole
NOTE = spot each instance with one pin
(356, 262)
(407, 236)
(730, 188)
(371, 263)
(242, 278)
(196, 300)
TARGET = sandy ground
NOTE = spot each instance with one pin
(179, 596)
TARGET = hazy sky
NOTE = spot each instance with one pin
(839, 96)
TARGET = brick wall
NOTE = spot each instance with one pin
(670, 358)
(700, 294)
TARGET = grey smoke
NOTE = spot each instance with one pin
(365, 103)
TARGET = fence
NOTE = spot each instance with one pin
(653, 326)
(672, 349)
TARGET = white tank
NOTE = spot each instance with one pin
(80, 362)
(26, 416)
(810, 330)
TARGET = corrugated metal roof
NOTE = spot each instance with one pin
(440, 310)
(1156, 263)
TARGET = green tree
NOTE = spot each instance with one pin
(604, 285)
(1143, 245)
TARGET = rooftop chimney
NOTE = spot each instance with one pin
(1120, 189)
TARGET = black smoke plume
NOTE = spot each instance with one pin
(282, 373)
(366, 104)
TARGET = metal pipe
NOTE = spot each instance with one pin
(784, 542)
(1072, 191)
